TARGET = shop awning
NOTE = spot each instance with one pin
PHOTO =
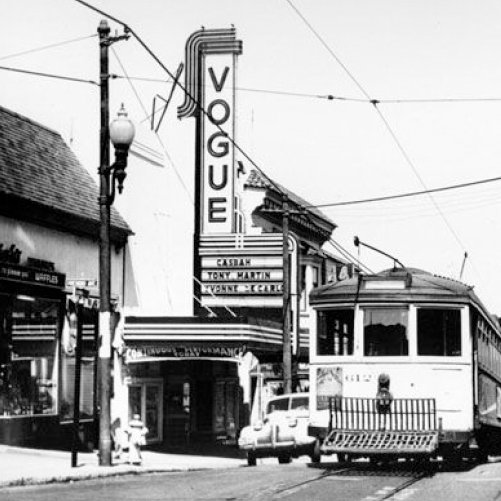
(149, 338)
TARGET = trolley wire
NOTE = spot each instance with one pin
(406, 195)
(389, 129)
(275, 185)
(212, 312)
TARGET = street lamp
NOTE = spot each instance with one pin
(121, 133)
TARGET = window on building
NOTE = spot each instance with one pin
(315, 277)
(439, 332)
(29, 363)
(385, 332)
(302, 282)
(335, 332)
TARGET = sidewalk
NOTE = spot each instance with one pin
(21, 466)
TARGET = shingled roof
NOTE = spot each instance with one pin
(258, 180)
(41, 180)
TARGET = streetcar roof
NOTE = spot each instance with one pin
(407, 285)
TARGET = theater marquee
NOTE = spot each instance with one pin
(242, 270)
(231, 267)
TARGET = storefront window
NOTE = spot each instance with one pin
(28, 382)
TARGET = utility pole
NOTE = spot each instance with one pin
(287, 348)
(124, 132)
(104, 356)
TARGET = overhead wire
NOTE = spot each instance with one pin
(127, 28)
(45, 47)
(138, 97)
(375, 103)
(182, 87)
(405, 195)
(48, 75)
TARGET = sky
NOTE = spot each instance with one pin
(439, 59)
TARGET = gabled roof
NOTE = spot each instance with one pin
(41, 180)
(257, 180)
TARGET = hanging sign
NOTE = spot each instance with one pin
(210, 77)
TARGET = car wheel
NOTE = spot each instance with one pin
(284, 459)
(251, 459)
(315, 453)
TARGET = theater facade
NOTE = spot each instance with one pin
(205, 375)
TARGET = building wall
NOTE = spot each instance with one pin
(159, 274)
(75, 256)
(47, 360)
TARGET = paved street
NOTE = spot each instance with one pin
(297, 481)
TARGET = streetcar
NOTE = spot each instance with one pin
(404, 363)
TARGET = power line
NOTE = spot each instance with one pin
(159, 139)
(48, 75)
(51, 46)
(404, 195)
(331, 52)
(187, 93)
(383, 119)
(416, 173)
(332, 97)
(227, 308)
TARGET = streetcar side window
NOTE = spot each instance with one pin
(385, 332)
(335, 332)
(439, 332)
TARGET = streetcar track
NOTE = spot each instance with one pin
(419, 476)
(344, 474)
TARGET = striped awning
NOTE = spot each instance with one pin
(196, 335)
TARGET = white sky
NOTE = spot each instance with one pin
(325, 151)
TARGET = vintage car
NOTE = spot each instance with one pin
(283, 432)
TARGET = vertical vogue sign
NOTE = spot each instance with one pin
(210, 76)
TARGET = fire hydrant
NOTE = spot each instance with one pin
(136, 432)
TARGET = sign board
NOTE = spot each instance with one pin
(210, 76)
(31, 275)
(82, 283)
(238, 270)
(184, 351)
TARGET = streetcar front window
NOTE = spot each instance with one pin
(439, 332)
(335, 332)
(385, 332)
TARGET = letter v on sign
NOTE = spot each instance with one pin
(218, 85)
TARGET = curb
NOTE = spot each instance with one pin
(61, 479)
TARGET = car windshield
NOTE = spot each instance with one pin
(281, 404)
(300, 403)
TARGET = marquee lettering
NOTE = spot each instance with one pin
(226, 111)
(223, 145)
(219, 85)
(224, 180)
(215, 210)
(233, 262)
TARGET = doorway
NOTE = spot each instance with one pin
(145, 399)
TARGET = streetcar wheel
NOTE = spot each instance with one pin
(251, 459)
(315, 455)
(284, 459)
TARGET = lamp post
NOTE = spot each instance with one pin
(121, 133)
